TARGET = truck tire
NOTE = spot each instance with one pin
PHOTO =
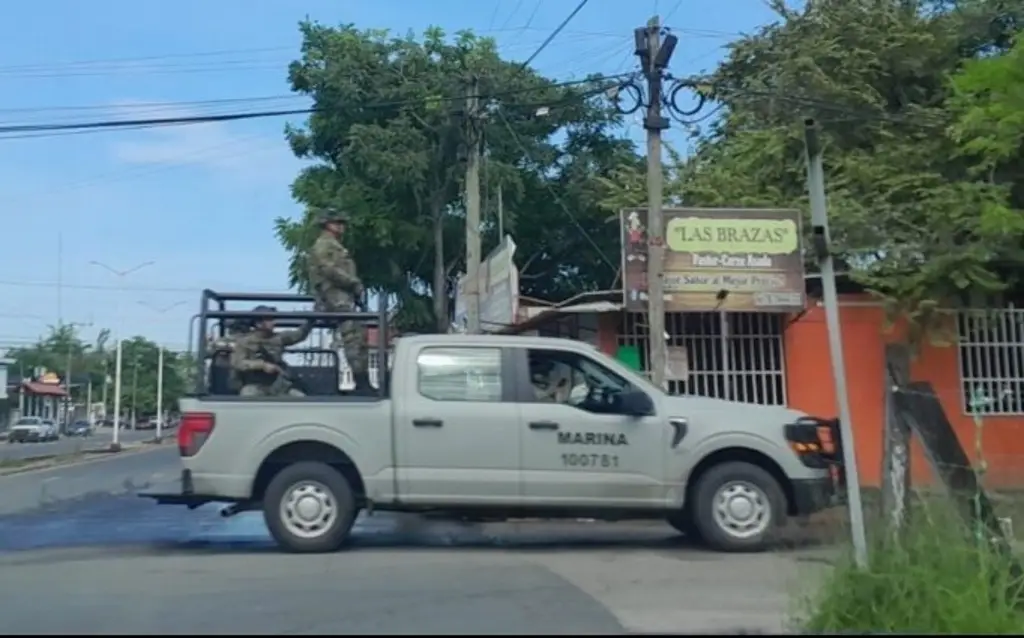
(682, 521)
(738, 507)
(309, 508)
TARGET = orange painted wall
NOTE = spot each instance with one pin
(810, 388)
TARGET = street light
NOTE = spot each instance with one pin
(67, 374)
(160, 370)
(120, 274)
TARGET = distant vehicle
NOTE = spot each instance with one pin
(80, 428)
(52, 430)
(32, 429)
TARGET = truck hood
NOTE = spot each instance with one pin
(695, 406)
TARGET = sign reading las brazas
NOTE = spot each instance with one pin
(718, 259)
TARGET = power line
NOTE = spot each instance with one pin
(554, 34)
(147, 106)
(228, 117)
(554, 195)
(111, 287)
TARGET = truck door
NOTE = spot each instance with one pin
(577, 450)
(457, 428)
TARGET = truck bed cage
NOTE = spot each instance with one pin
(213, 305)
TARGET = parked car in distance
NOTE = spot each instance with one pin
(32, 429)
(80, 428)
(52, 430)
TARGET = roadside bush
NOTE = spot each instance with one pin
(935, 579)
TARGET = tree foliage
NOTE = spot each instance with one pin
(388, 144)
(909, 210)
(63, 350)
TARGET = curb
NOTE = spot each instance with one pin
(41, 463)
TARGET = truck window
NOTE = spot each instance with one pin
(460, 374)
(560, 376)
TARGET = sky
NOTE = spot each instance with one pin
(196, 204)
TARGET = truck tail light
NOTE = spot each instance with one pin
(194, 429)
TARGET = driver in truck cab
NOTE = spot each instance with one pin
(258, 357)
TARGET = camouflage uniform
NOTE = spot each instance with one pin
(333, 278)
(253, 351)
(219, 349)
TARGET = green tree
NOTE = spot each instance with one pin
(139, 368)
(989, 107)
(388, 143)
(63, 349)
(907, 209)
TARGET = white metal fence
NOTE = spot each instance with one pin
(728, 355)
(991, 361)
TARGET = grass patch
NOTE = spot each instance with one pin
(935, 579)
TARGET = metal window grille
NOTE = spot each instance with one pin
(729, 355)
(991, 361)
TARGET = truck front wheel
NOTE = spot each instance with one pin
(309, 507)
(738, 507)
(683, 523)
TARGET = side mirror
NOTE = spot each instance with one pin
(635, 403)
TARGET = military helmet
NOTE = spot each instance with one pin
(267, 311)
(330, 214)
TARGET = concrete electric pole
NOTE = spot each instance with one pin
(654, 57)
(820, 243)
(473, 209)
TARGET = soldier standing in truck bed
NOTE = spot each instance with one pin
(337, 288)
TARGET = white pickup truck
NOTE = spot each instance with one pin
(461, 429)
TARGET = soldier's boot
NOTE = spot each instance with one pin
(362, 384)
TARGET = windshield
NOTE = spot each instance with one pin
(27, 421)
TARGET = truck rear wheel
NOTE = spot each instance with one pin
(309, 507)
(738, 507)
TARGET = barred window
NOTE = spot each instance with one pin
(732, 355)
(991, 361)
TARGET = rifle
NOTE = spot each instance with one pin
(285, 380)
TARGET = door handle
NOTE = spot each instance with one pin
(543, 425)
(427, 423)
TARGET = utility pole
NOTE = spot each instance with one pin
(830, 299)
(60, 278)
(473, 210)
(106, 383)
(88, 405)
(67, 386)
(654, 59)
(160, 394)
(135, 389)
(115, 443)
(501, 215)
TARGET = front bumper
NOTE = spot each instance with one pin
(24, 436)
(814, 495)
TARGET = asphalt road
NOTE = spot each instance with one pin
(80, 553)
(70, 445)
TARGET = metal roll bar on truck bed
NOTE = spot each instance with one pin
(213, 306)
